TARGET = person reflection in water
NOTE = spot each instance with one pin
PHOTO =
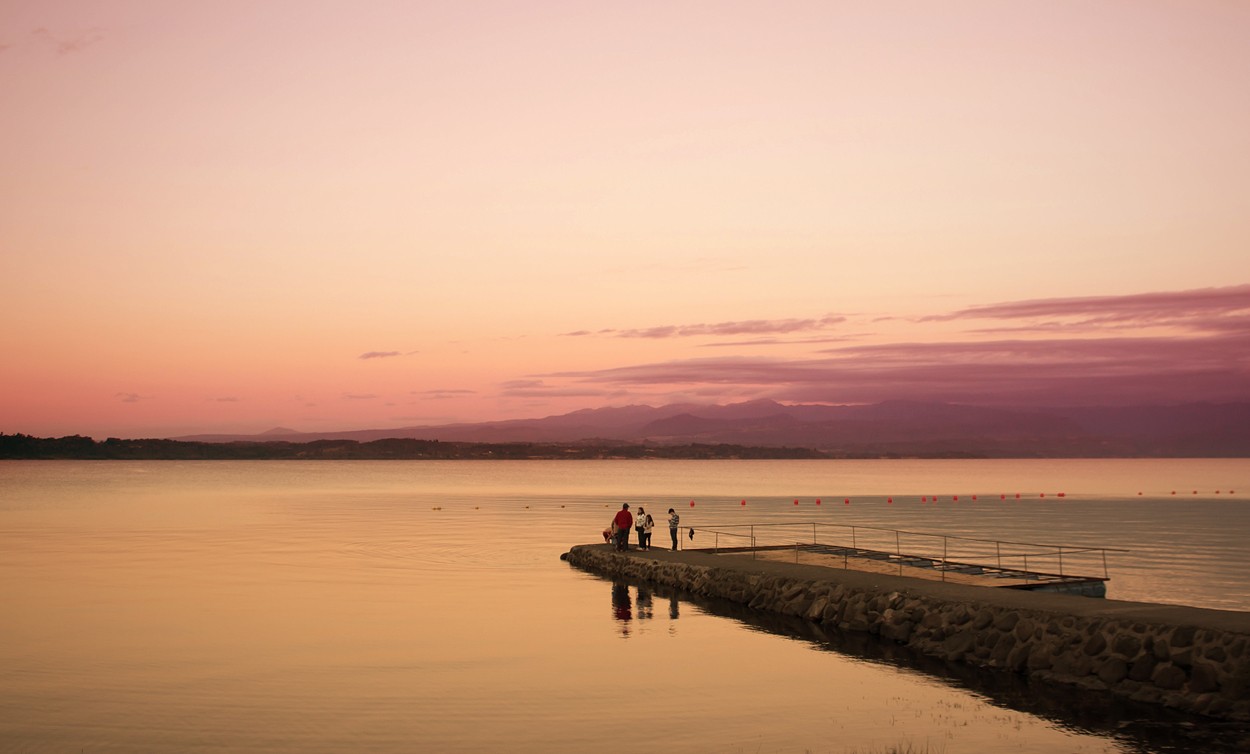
(645, 608)
(623, 521)
(621, 607)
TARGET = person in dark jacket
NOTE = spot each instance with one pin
(623, 521)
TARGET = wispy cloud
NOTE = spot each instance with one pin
(379, 354)
(535, 388)
(359, 396)
(1203, 309)
(439, 395)
(1101, 366)
(69, 45)
(131, 397)
(720, 329)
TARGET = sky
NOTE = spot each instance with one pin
(319, 215)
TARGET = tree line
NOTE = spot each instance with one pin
(78, 447)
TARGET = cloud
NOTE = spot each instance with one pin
(1202, 309)
(130, 397)
(67, 46)
(359, 396)
(379, 354)
(1051, 371)
(743, 327)
(531, 388)
(438, 395)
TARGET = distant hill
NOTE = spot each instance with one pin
(892, 428)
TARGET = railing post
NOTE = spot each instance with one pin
(1060, 560)
(998, 553)
(898, 552)
(853, 541)
(1104, 565)
(943, 558)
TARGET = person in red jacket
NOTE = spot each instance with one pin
(622, 522)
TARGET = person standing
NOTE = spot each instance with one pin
(674, 521)
(648, 524)
(623, 521)
(639, 521)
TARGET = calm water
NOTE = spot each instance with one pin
(422, 606)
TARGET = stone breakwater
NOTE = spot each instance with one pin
(1184, 658)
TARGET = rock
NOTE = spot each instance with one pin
(818, 608)
(1168, 677)
(1143, 668)
(1024, 630)
(1096, 645)
(982, 619)
(1039, 659)
(1183, 636)
(1006, 621)
(959, 644)
(1113, 671)
(1203, 679)
(899, 632)
(1126, 645)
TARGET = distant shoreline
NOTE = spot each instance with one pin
(77, 447)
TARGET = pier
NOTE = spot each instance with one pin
(1029, 566)
(1186, 658)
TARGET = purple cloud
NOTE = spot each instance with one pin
(1052, 371)
(1203, 309)
(744, 327)
(379, 354)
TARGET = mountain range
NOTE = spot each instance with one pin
(891, 428)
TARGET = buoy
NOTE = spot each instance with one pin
(955, 498)
(1195, 492)
(1017, 495)
(691, 503)
(974, 497)
(818, 501)
(1173, 492)
(743, 502)
(1139, 493)
(796, 501)
(1063, 494)
(924, 498)
(1042, 495)
(847, 501)
(1002, 497)
(890, 500)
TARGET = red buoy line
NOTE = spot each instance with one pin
(935, 499)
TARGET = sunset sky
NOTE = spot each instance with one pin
(236, 215)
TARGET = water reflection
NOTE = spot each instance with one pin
(622, 606)
(1145, 729)
(625, 609)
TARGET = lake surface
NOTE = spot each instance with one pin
(422, 606)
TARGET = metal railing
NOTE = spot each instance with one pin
(994, 557)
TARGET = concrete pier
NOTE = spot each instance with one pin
(1186, 658)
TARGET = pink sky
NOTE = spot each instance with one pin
(231, 216)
